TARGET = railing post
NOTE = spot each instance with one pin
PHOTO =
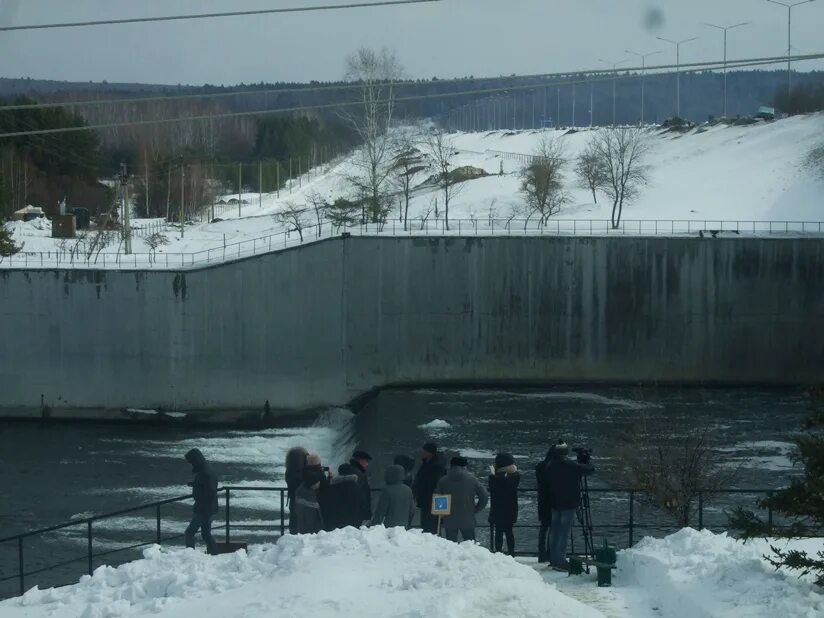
(631, 518)
(89, 539)
(157, 538)
(227, 515)
(700, 511)
(282, 513)
(20, 567)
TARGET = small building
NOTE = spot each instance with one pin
(28, 213)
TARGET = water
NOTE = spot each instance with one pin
(55, 473)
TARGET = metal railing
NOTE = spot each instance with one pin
(480, 227)
(625, 526)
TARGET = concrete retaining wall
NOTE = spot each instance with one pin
(324, 323)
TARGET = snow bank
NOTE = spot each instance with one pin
(369, 572)
(701, 574)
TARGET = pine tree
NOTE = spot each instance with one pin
(801, 504)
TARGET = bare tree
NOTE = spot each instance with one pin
(542, 182)
(342, 212)
(441, 151)
(376, 72)
(591, 174)
(319, 205)
(292, 216)
(408, 161)
(158, 239)
(814, 161)
(621, 152)
(670, 465)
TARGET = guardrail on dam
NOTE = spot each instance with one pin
(321, 324)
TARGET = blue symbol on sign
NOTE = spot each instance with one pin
(441, 503)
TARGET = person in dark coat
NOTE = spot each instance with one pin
(204, 492)
(305, 510)
(295, 463)
(408, 464)
(395, 507)
(544, 508)
(360, 461)
(340, 500)
(426, 480)
(464, 488)
(503, 495)
(563, 480)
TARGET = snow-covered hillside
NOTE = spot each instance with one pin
(715, 173)
(386, 573)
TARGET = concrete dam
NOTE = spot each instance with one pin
(327, 322)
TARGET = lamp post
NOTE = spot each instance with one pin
(678, 45)
(724, 29)
(643, 58)
(614, 66)
(790, 6)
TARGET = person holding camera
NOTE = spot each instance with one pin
(562, 476)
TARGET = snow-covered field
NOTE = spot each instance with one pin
(714, 174)
(384, 573)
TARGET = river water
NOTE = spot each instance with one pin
(57, 473)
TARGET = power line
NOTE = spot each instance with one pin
(357, 86)
(602, 76)
(140, 20)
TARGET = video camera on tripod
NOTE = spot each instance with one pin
(584, 457)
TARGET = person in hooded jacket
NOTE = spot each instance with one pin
(295, 463)
(408, 464)
(426, 480)
(305, 510)
(563, 480)
(341, 500)
(360, 461)
(544, 507)
(204, 492)
(464, 487)
(503, 494)
(395, 507)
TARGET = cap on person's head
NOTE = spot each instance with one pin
(502, 460)
(459, 462)
(313, 460)
(431, 448)
(357, 455)
(561, 448)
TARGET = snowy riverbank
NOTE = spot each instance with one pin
(379, 572)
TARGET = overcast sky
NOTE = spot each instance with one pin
(452, 38)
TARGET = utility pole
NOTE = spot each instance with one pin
(239, 193)
(260, 184)
(277, 173)
(724, 29)
(644, 57)
(573, 105)
(614, 66)
(182, 202)
(124, 207)
(558, 117)
(591, 102)
(678, 68)
(790, 7)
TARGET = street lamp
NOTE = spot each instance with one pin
(614, 66)
(643, 58)
(790, 7)
(678, 45)
(725, 29)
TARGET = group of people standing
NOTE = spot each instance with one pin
(320, 500)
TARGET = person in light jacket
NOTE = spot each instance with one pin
(395, 507)
(306, 511)
(464, 487)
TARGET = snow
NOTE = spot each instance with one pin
(393, 572)
(369, 572)
(709, 175)
(701, 574)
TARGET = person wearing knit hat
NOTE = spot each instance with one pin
(464, 488)
(503, 492)
(563, 476)
(431, 471)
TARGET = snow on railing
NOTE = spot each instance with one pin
(483, 226)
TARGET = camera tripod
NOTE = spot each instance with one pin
(584, 514)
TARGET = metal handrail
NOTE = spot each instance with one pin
(90, 556)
